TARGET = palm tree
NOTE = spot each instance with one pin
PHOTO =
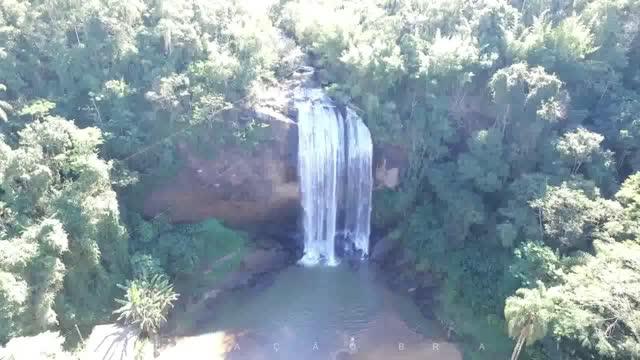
(528, 313)
(146, 303)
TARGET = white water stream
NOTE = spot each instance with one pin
(334, 168)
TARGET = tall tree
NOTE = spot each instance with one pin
(528, 313)
(61, 214)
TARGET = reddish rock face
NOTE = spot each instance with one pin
(252, 190)
(390, 160)
(242, 188)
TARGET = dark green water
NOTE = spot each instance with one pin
(325, 313)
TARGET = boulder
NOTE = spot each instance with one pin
(383, 248)
(406, 259)
(234, 280)
(263, 261)
(253, 266)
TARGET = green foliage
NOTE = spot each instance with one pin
(517, 211)
(37, 108)
(475, 328)
(598, 298)
(185, 252)
(589, 300)
(529, 101)
(629, 198)
(139, 76)
(536, 262)
(32, 275)
(542, 43)
(146, 303)
(142, 71)
(572, 217)
(145, 266)
(507, 233)
(528, 314)
(389, 207)
(578, 148)
(61, 215)
(580, 151)
(482, 163)
(619, 122)
(519, 120)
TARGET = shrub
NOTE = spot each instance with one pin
(146, 303)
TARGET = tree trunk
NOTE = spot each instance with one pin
(524, 333)
(155, 341)
(518, 347)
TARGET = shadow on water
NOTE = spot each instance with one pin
(318, 313)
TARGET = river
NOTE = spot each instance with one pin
(309, 313)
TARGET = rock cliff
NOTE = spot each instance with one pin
(257, 189)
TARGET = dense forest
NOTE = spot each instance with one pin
(520, 121)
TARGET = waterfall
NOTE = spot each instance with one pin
(359, 183)
(334, 169)
(320, 161)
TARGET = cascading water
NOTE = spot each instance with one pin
(359, 183)
(320, 151)
(334, 168)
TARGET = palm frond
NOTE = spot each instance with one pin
(146, 303)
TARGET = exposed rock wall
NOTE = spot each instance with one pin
(389, 162)
(242, 188)
(255, 190)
